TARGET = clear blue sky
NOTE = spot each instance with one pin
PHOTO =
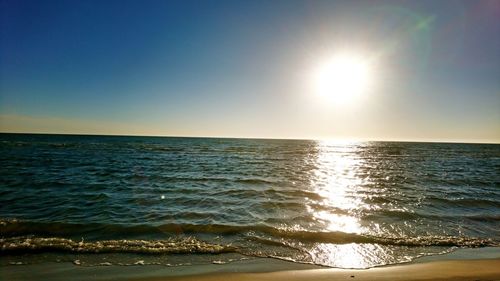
(241, 68)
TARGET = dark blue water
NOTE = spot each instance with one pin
(337, 204)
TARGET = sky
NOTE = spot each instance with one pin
(244, 68)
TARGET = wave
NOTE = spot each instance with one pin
(14, 228)
(187, 245)
(420, 241)
(467, 202)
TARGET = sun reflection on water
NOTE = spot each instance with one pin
(337, 181)
(349, 255)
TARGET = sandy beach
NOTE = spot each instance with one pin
(259, 269)
(438, 270)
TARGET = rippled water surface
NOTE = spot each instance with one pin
(352, 205)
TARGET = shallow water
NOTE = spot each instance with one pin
(353, 205)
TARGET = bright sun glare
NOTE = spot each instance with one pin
(342, 78)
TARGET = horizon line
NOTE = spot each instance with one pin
(255, 138)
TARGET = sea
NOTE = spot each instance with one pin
(174, 201)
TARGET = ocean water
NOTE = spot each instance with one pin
(175, 201)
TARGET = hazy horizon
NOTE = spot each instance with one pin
(327, 140)
(408, 70)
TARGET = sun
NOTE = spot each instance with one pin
(342, 78)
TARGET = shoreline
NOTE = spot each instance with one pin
(479, 269)
(463, 264)
(484, 269)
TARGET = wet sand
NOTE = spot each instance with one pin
(259, 269)
(438, 270)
